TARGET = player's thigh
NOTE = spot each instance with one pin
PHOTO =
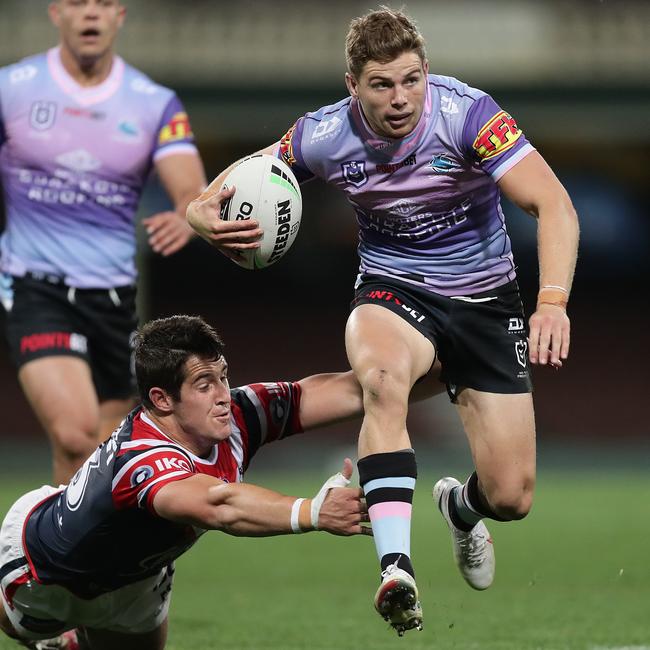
(379, 341)
(500, 428)
(105, 640)
(61, 392)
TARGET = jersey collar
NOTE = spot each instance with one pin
(85, 95)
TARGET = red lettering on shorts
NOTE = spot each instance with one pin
(45, 341)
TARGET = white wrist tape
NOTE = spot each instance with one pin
(295, 516)
(338, 480)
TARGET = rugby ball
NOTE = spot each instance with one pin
(266, 190)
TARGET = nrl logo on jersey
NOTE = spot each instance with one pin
(326, 129)
(354, 172)
(42, 115)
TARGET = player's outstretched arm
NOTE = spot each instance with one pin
(328, 398)
(249, 510)
(533, 186)
(203, 215)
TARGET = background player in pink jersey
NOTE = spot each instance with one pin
(98, 555)
(423, 158)
(80, 131)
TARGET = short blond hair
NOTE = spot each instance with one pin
(381, 35)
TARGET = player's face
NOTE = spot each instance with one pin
(87, 27)
(392, 94)
(203, 411)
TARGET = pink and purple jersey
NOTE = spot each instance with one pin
(73, 161)
(427, 205)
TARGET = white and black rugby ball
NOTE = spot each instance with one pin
(266, 190)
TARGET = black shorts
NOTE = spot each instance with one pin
(481, 340)
(48, 318)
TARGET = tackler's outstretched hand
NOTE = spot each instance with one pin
(229, 237)
(339, 509)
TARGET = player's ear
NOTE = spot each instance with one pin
(161, 400)
(352, 85)
(53, 11)
(425, 67)
(121, 15)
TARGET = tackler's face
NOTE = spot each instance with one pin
(203, 410)
(392, 94)
(87, 28)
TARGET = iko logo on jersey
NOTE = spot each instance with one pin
(326, 129)
(354, 172)
(42, 115)
(165, 464)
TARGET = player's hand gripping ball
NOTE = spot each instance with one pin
(266, 190)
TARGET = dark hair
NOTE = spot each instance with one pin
(381, 35)
(162, 347)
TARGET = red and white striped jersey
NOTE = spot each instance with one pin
(101, 532)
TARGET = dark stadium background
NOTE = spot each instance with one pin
(579, 86)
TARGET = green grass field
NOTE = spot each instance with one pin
(575, 575)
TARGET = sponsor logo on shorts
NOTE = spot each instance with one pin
(498, 134)
(390, 168)
(354, 172)
(286, 146)
(521, 352)
(178, 128)
(42, 115)
(53, 341)
(388, 296)
(516, 325)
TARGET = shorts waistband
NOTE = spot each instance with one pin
(59, 281)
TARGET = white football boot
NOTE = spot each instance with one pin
(397, 600)
(473, 550)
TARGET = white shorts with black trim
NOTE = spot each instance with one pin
(43, 611)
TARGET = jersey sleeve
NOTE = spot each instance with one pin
(143, 473)
(174, 133)
(264, 413)
(492, 138)
(290, 151)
